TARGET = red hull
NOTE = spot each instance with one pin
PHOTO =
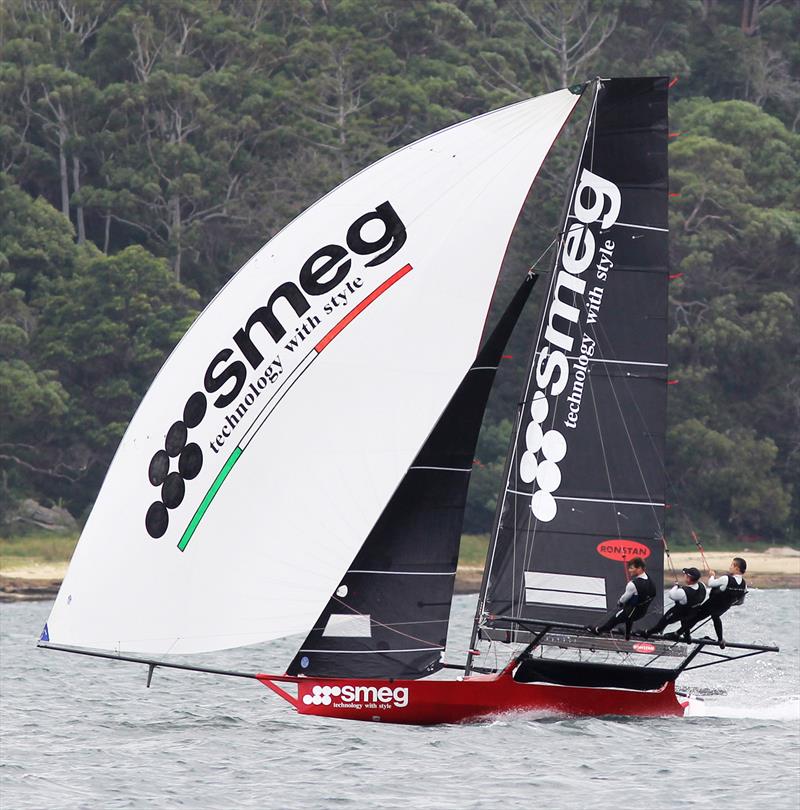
(429, 702)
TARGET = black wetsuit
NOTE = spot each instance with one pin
(719, 601)
(632, 610)
(682, 613)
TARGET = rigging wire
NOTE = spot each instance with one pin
(669, 556)
(671, 486)
(699, 545)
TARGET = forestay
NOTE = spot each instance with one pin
(585, 482)
(278, 429)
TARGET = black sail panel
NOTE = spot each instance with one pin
(390, 613)
(585, 485)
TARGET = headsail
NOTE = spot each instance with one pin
(585, 483)
(389, 615)
(276, 432)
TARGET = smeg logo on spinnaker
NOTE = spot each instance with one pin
(231, 367)
(544, 450)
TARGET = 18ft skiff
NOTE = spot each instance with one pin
(302, 459)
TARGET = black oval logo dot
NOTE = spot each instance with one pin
(158, 469)
(195, 409)
(191, 461)
(173, 490)
(176, 439)
(157, 519)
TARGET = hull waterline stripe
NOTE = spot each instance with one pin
(206, 502)
(276, 399)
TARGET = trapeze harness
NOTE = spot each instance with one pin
(679, 612)
(637, 605)
(722, 599)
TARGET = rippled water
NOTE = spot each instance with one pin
(84, 733)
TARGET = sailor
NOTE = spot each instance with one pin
(634, 602)
(725, 591)
(686, 597)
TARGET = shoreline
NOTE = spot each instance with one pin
(772, 568)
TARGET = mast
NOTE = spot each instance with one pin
(584, 484)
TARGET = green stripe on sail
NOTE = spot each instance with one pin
(201, 510)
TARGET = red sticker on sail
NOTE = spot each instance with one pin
(622, 550)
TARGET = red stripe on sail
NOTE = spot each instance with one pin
(361, 307)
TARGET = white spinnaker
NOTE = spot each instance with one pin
(342, 425)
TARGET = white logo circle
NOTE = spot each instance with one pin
(322, 695)
(545, 472)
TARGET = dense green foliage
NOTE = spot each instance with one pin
(148, 148)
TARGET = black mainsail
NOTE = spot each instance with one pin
(585, 481)
(389, 615)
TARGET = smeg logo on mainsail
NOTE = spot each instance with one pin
(228, 370)
(545, 449)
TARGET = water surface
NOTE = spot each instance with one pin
(84, 733)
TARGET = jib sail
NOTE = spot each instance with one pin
(389, 614)
(585, 482)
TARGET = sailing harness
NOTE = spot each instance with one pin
(733, 594)
(694, 596)
(645, 593)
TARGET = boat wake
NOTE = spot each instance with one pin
(785, 708)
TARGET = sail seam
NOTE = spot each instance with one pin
(592, 500)
(621, 362)
(448, 469)
(404, 573)
(371, 652)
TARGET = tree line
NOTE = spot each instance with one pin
(149, 148)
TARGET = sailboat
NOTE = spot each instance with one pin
(301, 462)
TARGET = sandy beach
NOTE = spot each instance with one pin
(777, 567)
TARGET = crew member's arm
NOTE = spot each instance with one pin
(677, 595)
(718, 582)
(630, 591)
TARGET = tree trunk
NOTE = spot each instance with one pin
(175, 204)
(107, 231)
(62, 169)
(76, 184)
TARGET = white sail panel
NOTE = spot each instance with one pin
(279, 427)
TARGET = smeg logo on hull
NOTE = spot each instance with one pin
(377, 234)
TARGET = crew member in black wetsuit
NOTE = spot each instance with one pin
(724, 592)
(686, 597)
(634, 602)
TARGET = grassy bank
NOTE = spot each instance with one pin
(30, 549)
(473, 550)
(47, 547)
